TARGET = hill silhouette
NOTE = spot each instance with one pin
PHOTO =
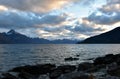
(111, 37)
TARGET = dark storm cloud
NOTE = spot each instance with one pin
(52, 19)
(108, 14)
(13, 19)
(105, 18)
(19, 19)
(84, 28)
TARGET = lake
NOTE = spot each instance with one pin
(12, 55)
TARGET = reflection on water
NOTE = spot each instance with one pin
(17, 55)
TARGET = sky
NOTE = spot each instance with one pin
(59, 19)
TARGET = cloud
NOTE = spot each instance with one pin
(111, 6)
(108, 18)
(35, 5)
(108, 14)
(85, 28)
(60, 34)
(52, 19)
(113, 1)
(76, 31)
(19, 19)
(34, 18)
(3, 8)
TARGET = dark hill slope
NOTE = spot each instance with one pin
(111, 37)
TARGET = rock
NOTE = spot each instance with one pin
(66, 68)
(111, 77)
(61, 70)
(85, 66)
(111, 66)
(24, 75)
(8, 76)
(77, 55)
(90, 59)
(99, 61)
(55, 74)
(109, 55)
(76, 75)
(118, 62)
(71, 59)
(105, 60)
(113, 70)
(97, 68)
(117, 57)
(35, 70)
(44, 77)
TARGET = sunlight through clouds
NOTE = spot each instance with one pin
(71, 19)
(3, 8)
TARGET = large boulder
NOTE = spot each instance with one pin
(66, 68)
(105, 60)
(43, 77)
(85, 66)
(113, 69)
(25, 75)
(8, 76)
(117, 57)
(35, 70)
(71, 59)
(76, 75)
(61, 70)
(55, 74)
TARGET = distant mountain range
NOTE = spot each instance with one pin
(13, 37)
(112, 37)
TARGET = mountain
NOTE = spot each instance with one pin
(13, 37)
(112, 37)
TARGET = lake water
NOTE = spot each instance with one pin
(13, 55)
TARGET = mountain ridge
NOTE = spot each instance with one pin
(13, 37)
(109, 37)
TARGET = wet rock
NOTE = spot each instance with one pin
(105, 60)
(66, 68)
(35, 70)
(90, 59)
(71, 59)
(8, 76)
(90, 67)
(24, 75)
(113, 70)
(117, 57)
(77, 55)
(61, 70)
(99, 61)
(111, 77)
(85, 66)
(44, 77)
(97, 68)
(76, 75)
(55, 74)
(112, 66)
(118, 62)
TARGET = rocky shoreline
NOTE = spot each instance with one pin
(106, 67)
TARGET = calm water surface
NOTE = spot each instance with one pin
(13, 55)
